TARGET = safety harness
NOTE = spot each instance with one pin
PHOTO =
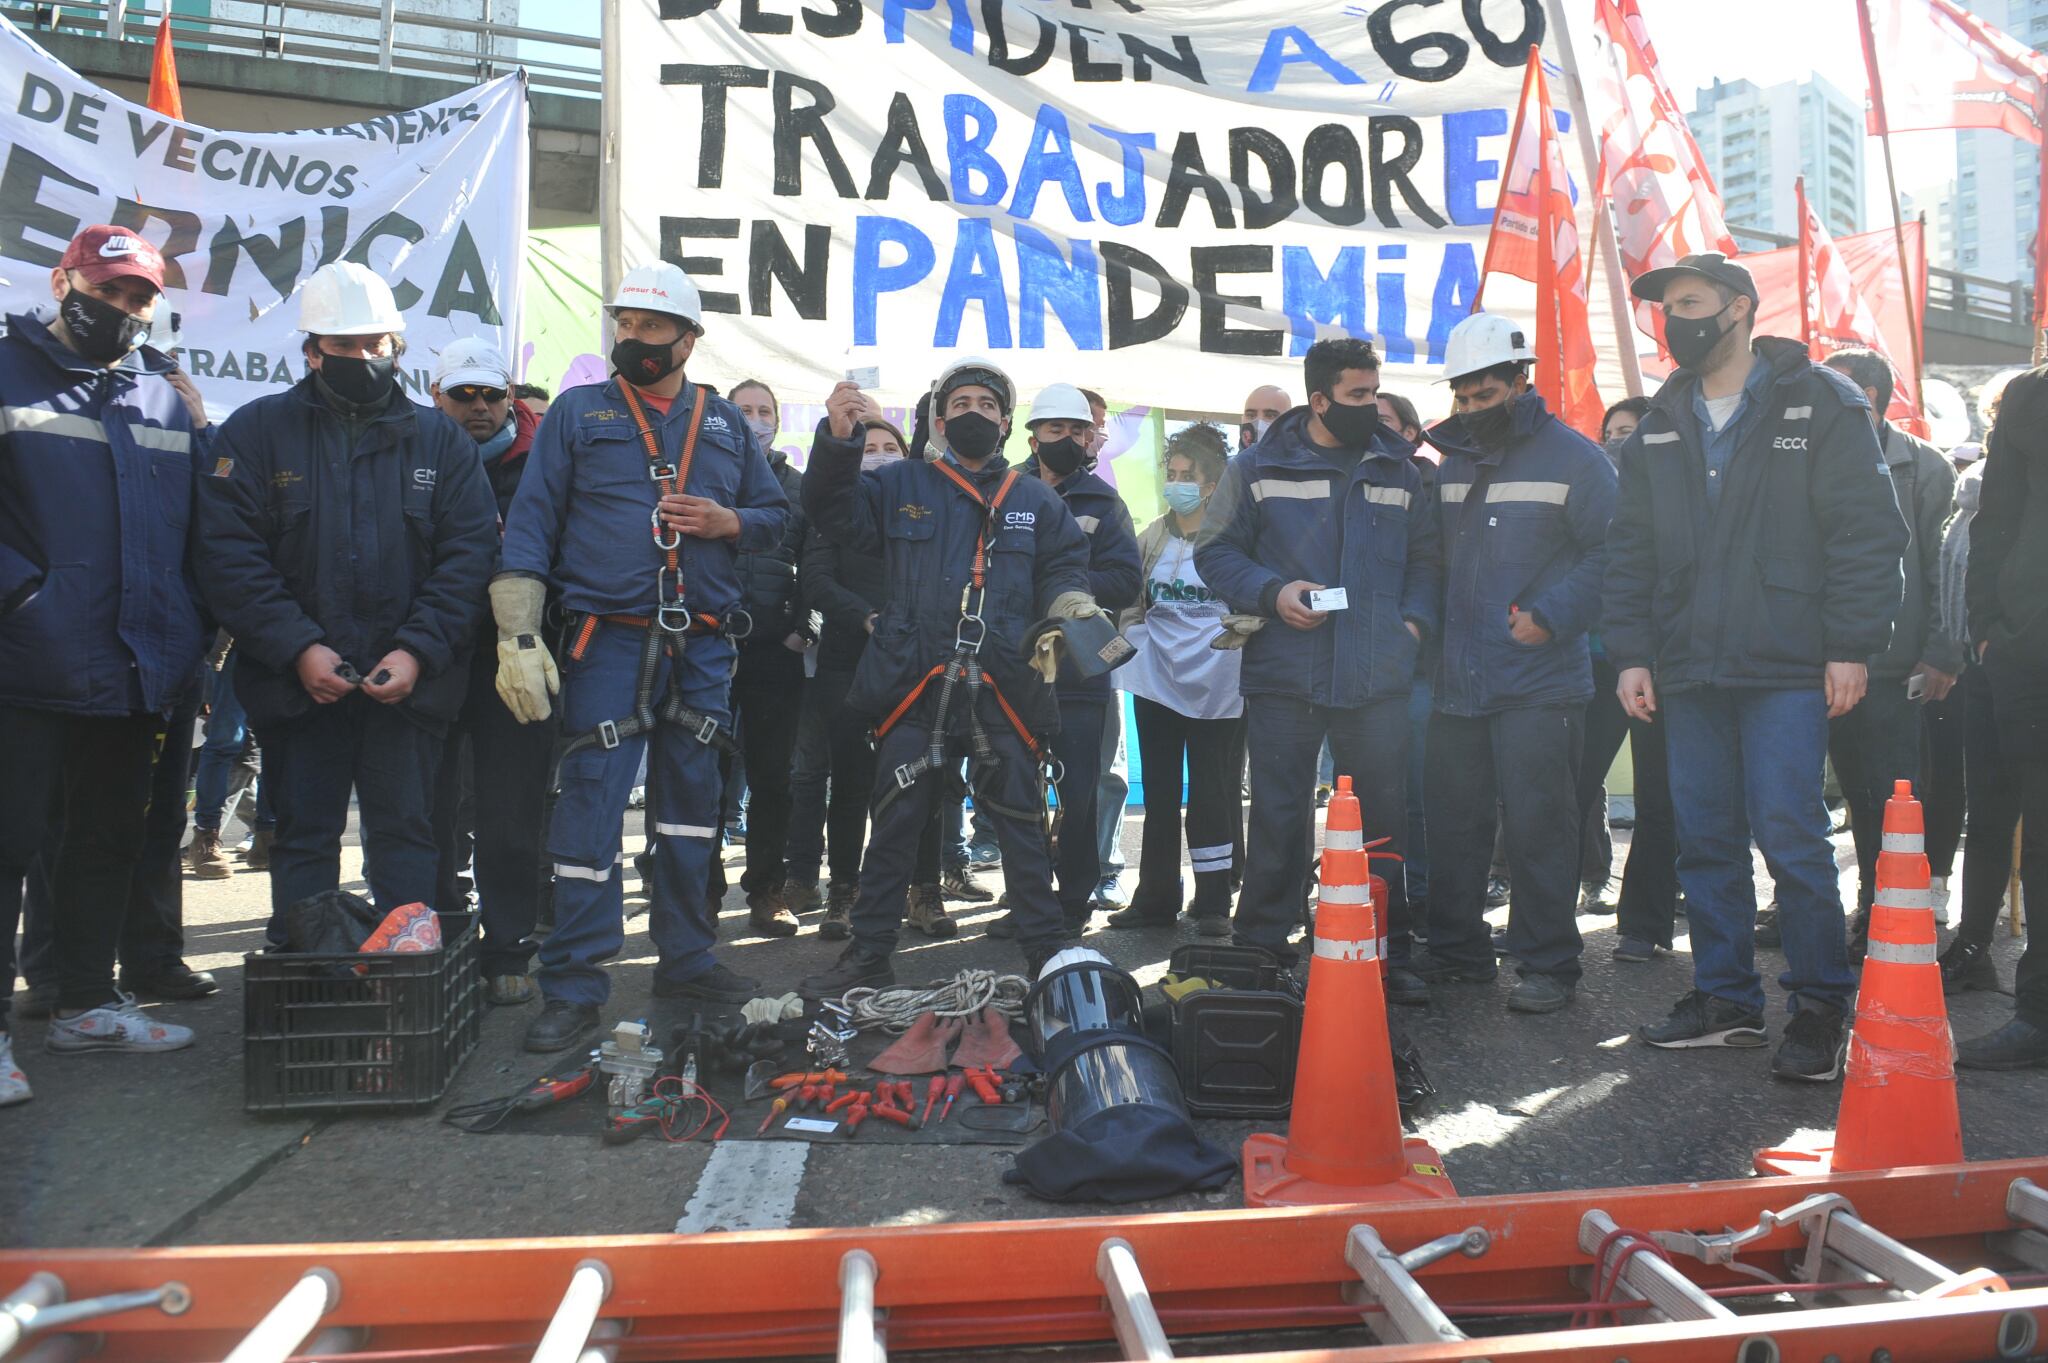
(672, 622)
(964, 668)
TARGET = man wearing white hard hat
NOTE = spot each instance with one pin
(1062, 425)
(643, 491)
(348, 536)
(974, 553)
(490, 800)
(1524, 502)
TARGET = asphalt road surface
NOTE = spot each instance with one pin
(157, 1150)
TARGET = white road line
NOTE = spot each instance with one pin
(746, 1185)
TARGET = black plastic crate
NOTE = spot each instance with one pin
(1229, 967)
(1235, 1052)
(317, 1035)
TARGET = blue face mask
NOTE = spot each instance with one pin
(1184, 498)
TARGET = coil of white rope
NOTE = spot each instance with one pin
(964, 995)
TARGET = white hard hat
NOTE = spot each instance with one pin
(347, 299)
(973, 369)
(472, 359)
(1060, 402)
(1482, 341)
(660, 287)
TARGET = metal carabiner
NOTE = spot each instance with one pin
(664, 537)
(970, 625)
(671, 612)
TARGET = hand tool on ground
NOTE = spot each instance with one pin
(985, 1087)
(667, 1110)
(903, 1094)
(857, 1115)
(806, 1096)
(890, 1113)
(932, 1093)
(775, 1110)
(826, 1093)
(629, 1060)
(543, 1092)
(954, 1082)
(797, 1080)
(846, 1100)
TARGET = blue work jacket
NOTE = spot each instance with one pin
(1288, 510)
(365, 541)
(1524, 526)
(99, 613)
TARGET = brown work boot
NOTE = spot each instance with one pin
(800, 895)
(928, 912)
(768, 914)
(204, 857)
(838, 923)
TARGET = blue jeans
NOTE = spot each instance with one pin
(227, 736)
(1743, 762)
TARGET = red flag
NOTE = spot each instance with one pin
(1651, 171)
(1536, 237)
(1952, 70)
(163, 72)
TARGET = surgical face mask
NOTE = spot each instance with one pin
(1252, 432)
(878, 459)
(764, 431)
(1184, 498)
(643, 363)
(102, 332)
(363, 380)
(1691, 339)
(1353, 426)
(1490, 426)
(972, 435)
(1062, 456)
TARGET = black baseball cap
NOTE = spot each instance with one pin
(1709, 265)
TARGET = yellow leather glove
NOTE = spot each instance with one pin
(526, 671)
(1045, 655)
(1237, 631)
(1074, 606)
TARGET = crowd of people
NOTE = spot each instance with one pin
(489, 621)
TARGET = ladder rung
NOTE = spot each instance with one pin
(1412, 1315)
(574, 1318)
(1848, 1239)
(1138, 1330)
(278, 1335)
(1673, 1295)
(2026, 1203)
(860, 1330)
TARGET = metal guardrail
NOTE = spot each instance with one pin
(570, 66)
(1992, 300)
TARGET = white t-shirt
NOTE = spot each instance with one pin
(1175, 666)
(1719, 410)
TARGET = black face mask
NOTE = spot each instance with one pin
(1691, 339)
(364, 380)
(641, 363)
(102, 332)
(1062, 456)
(1353, 426)
(1490, 426)
(972, 435)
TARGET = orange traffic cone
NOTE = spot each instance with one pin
(1899, 1089)
(1344, 1141)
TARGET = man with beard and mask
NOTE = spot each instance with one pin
(974, 553)
(492, 792)
(100, 630)
(1061, 426)
(348, 535)
(1262, 407)
(1525, 502)
(1326, 503)
(643, 493)
(1752, 573)
(768, 687)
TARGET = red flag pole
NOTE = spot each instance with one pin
(1884, 134)
(1805, 265)
(1549, 318)
(1514, 141)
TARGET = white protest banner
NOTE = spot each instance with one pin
(433, 199)
(1164, 200)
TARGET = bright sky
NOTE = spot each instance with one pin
(1765, 41)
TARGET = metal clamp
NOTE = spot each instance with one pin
(971, 624)
(906, 777)
(665, 536)
(1840, 1246)
(608, 734)
(707, 732)
(39, 1304)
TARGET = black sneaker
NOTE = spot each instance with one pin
(1432, 969)
(2018, 1045)
(1498, 891)
(1143, 916)
(1500, 945)
(1814, 1041)
(175, 983)
(1212, 925)
(1004, 928)
(1541, 994)
(1859, 936)
(561, 1024)
(856, 966)
(720, 984)
(1406, 988)
(960, 882)
(1704, 1020)
(1767, 932)
(1635, 949)
(1965, 966)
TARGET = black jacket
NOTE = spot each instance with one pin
(768, 577)
(1798, 567)
(844, 587)
(2007, 581)
(383, 542)
(1924, 485)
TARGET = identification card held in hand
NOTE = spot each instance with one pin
(1329, 599)
(867, 378)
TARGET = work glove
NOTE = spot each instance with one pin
(526, 672)
(772, 1009)
(1237, 631)
(1045, 645)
